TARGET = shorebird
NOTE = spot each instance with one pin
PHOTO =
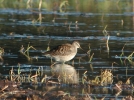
(64, 52)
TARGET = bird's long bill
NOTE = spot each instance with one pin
(83, 50)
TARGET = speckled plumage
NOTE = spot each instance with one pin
(64, 52)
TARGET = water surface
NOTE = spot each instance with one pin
(103, 27)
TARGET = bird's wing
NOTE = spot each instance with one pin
(64, 49)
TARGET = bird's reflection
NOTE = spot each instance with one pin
(65, 73)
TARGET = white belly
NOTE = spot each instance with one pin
(64, 58)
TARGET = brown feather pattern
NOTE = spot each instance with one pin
(64, 52)
(63, 49)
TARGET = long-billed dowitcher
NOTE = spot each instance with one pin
(64, 52)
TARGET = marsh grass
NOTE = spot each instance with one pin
(48, 45)
(122, 54)
(105, 78)
(26, 52)
(12, 75)
(29, 4)
(36, 78)
(128, 81)
(130, 58)
(96, 81)
(89, 54)
(91, 57)
(38, 20)
(63, 6)
(105, 33)
(113, 64)
(84, 78)
(91, 67)
(1, 53)
(40, 4)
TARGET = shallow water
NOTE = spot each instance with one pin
(23, 23)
